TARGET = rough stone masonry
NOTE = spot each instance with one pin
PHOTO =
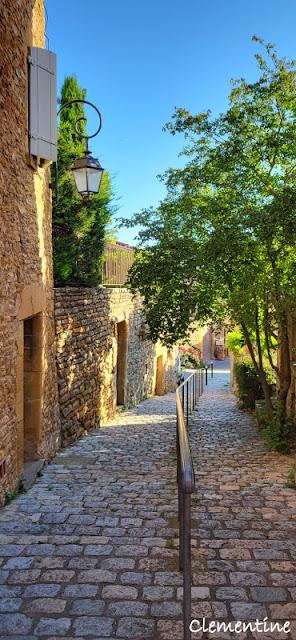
(90, 352)
(29, 414)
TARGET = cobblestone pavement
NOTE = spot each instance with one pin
(245, 561)
(90, 551)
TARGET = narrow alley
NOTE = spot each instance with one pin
(91, 550)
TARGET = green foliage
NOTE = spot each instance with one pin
(9, 496)
(235, 341)
(249, 387)
(226, 230)
(79, 224)
(222, 242)
(291, 484)
(278, 430)
(189, 360)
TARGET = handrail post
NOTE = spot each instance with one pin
(187, 564)
(181, 529)
(187, 414)
(180, 498)
(189, 400)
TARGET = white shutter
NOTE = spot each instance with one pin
(42, 104)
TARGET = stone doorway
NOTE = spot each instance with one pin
(32, 385)
(121, 362)
(159, 384)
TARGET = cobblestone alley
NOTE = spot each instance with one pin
(90, 551)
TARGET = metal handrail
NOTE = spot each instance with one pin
(186, 467)
(187, 395)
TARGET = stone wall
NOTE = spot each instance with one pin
(25, 253)
(95, 330)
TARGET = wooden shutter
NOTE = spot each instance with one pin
(42, 104)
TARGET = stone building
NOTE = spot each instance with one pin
(29, 415)
(104, 360)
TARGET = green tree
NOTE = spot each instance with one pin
(222, 243)
(79, 224)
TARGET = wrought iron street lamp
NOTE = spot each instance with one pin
(87, 171)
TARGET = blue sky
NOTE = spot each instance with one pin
(140, 59)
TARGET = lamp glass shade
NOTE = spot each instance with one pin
(80, 177)
(94, 177)
(87, 173)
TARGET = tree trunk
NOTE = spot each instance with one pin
(260, 372)
(284, 375)
(290, 402)
(267, 395)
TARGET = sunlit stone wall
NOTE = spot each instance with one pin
(89, 325)
(25, 255)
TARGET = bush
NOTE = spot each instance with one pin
(189, 360)
(249, 387)
(235, 341)
(277, 431)
(291, 484)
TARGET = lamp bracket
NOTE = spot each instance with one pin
(80, 135)
(80, 101)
